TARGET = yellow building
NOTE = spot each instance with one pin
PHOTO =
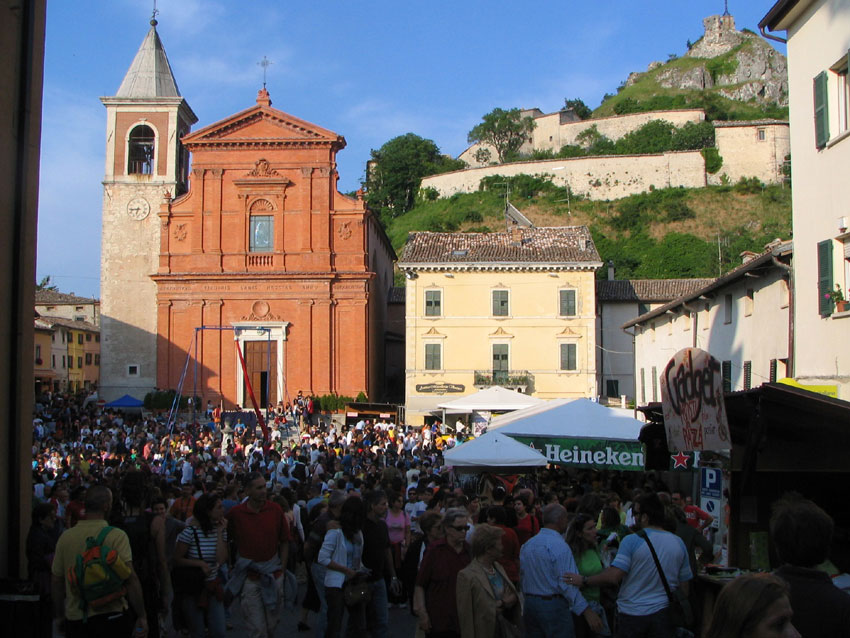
(515, 309)
(80, 364)
(42, 369)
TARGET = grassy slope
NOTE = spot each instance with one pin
(743, 218)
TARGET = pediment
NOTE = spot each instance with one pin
(262, 123)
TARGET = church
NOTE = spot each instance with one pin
(228, 254)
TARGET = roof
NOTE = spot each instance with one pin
(647, 289)
(56, 298)
(779, 12)
(764, 259)
(70, 323)
(397, 294)
(734, 123)
(150, 73)
(558, 246)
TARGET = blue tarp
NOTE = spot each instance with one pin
(125, 402)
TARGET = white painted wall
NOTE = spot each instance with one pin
(758, 337)
(819, 39)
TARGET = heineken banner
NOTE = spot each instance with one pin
(599, 454)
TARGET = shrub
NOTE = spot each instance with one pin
(713, 160)
(749, 185)
(678, 211)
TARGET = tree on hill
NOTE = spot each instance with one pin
(578, 106)
(396, 170)
(503, 130)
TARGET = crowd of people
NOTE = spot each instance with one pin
(339, 524)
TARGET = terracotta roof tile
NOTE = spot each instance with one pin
(647, 290)
(69, 323)
(55, 298)
(560, 245)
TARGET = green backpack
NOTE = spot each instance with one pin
(98, 574)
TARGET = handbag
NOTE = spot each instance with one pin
(506, 629)
(357, 591)
(188, 579)
(681, 614)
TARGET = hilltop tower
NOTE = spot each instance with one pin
(145, 160)
(720, 37)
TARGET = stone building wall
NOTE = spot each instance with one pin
(596, 178)
(751, 149)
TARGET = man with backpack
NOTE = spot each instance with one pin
(93, 577)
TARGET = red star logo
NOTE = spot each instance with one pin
(680, 460)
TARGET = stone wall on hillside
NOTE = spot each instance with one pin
(596, 178)
(553, 130)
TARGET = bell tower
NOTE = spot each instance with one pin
(145, 160)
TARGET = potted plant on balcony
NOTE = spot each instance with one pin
(837, 296)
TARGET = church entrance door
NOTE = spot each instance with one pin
(262, 373)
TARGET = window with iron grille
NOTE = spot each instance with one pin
(748, 375)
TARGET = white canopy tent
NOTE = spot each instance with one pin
(571, 417)
(493, 399)
(577, 433)
(493, 450)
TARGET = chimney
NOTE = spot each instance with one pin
(516, 235)
(610, 270)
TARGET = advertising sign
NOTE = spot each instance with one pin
(692, 400)
(599, 454)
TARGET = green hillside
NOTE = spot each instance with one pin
(660, 234)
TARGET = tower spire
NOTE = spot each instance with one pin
(725, 4)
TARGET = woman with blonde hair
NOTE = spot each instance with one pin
(488, 604)
(753, 606)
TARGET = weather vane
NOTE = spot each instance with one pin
(154, 14)
(265, 63)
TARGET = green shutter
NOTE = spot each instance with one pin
(825, 305)
(821, 111)
(568, 356)
(568, 303)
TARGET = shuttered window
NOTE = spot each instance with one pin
(726, 368)
(773, 370)
(825, 305)
(433, 303)
(821, 110)
(748, 375)
(568, 303)
(433, 356)
(568, 356)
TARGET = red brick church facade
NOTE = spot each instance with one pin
(264, 240)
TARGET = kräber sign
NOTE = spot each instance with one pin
(692, 400)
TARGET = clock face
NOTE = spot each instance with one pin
(138, 208)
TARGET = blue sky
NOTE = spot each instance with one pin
(367, 69)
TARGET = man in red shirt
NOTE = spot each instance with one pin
(695, 517)
(434, 598)
(262, 536)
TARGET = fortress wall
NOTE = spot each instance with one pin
(597, 178)
(746, 155)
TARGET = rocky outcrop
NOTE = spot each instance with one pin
(739, 65)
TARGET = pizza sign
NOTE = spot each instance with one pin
(692, 400)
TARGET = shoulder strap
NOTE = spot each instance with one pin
(197, 542)
(645, 536)
(101, 537)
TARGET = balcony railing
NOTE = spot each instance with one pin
(514, 379)
(261, 260)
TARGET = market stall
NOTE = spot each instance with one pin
(481, 405)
